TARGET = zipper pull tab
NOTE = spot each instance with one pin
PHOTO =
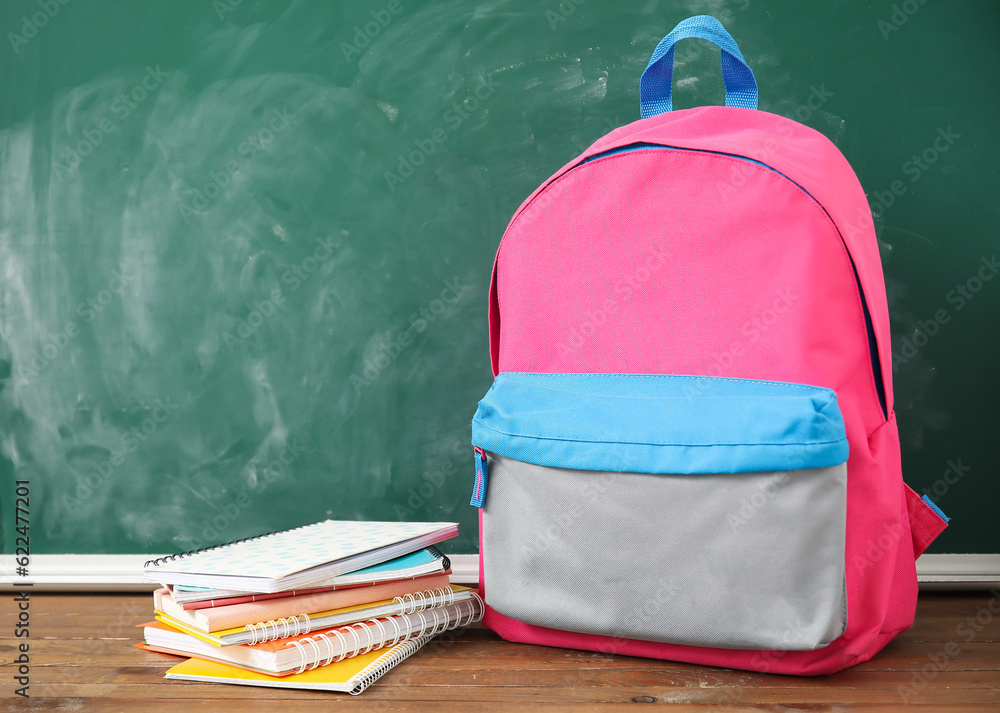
(479, 492)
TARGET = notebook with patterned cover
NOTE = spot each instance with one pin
(291, 558)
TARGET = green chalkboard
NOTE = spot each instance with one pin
(245, 246)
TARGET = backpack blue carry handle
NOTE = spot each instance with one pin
(655, 85)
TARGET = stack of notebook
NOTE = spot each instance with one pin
(329, 606)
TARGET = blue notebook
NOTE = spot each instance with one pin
(416, 564)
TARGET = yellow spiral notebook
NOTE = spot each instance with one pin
(352, 675)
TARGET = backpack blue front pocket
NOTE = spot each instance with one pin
(660, 424)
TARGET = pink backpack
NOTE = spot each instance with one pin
(689, 451)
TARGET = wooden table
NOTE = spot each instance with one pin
(82, 659)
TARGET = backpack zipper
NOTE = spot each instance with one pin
(870, 329)
(479, 491)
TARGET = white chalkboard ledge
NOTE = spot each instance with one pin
(112, 573)
(117, 573)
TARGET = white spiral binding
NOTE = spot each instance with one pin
(293, 626)
(438, 628)
(474, 615)
(321, 645)
(399, 632)
(373, 671)
(353, 630)
(281, 628)
(382, 636)
(414, 602)
(329, 648)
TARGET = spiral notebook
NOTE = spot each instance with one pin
(272, 629)
(297, 653)
(416, 564)
(296, 557)
(351, 675)
(227, 617)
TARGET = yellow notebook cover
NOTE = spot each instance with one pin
(351, 675)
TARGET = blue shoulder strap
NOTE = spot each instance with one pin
(655, 85)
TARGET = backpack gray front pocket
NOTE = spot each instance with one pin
(745, 556)
(751, 561)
